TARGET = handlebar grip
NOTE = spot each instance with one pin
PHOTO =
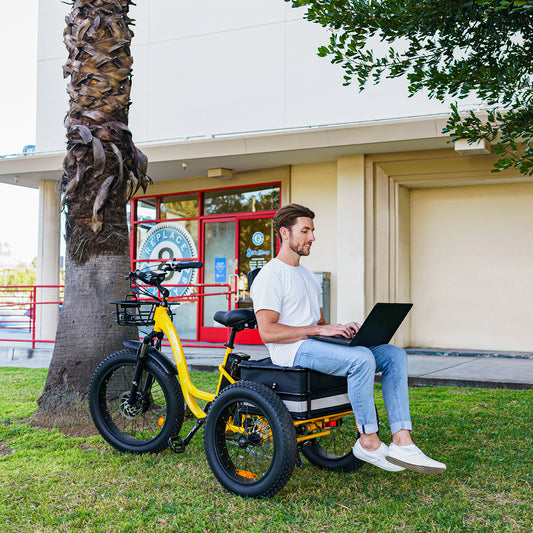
(184, 265)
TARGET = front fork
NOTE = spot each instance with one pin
(141, 357)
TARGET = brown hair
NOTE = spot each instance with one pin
(286, 216)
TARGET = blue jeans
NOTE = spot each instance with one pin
(359, 365)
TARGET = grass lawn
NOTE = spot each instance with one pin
(49, 482)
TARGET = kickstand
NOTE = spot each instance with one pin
(300, 462)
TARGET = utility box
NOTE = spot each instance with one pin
(324, 280)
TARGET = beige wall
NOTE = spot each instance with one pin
(336, 192)
(240, 179)
(445, 232)
(315, 186)
(351, 261)
(471, 257)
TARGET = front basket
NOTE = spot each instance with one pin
(135, 313)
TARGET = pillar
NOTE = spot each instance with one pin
(351, 238)
(47, 314)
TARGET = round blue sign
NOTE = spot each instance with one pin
(258, 238)
(171, 241)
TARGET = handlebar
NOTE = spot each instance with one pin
(157, 276)
(183, 265)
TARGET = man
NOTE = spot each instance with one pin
(287, 305)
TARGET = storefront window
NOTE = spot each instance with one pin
(147, 209)
(181, 206)
(257, 240)
(191, 231)
(189, 226)
(128, 214)
(142, 230)
(161, 240)
(219, 266)
(246, 200)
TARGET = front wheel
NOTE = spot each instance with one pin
(334, 451)
(148, 422)
(250, 441)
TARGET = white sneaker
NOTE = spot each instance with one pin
(412, 457)
(376, 458)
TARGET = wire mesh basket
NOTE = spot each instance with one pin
(132, 312)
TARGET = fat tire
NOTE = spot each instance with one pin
(139, 430)
(334, 451)
(264, 443)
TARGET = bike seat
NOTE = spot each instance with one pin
(243, 318)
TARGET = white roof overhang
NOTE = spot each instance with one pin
(253, 150)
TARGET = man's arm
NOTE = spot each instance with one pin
(353, 326)
(271, 331)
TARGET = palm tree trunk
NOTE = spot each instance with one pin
(102, 170)
(86, 334)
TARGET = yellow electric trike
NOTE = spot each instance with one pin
(256, 424)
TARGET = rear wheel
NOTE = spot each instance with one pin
(334, 451)
(249, 440)
(148, 422)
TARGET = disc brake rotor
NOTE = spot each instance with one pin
(130, 411)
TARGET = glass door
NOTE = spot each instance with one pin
(257, 246)
(257, 240)
(219, 272)
(233, 246)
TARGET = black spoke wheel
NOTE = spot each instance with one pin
(249, 440)
(144, 423)
(334, 451)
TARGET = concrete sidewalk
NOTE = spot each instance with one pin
(426, 367)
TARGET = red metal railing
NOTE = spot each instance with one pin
(18, 311)
(19, 305)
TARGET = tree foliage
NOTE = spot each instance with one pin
(23, 274)
(451, 49)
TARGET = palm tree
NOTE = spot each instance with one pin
(102, 170)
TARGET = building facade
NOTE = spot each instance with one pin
(238, 116)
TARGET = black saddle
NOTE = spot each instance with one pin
(237, 318)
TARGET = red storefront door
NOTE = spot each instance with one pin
(232, 246)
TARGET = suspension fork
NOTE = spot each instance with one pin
(139, 367)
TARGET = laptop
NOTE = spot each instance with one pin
(378, 328)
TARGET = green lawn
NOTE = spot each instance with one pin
(49, 482)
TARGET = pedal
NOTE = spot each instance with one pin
(177, 446)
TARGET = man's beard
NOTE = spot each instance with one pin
(300, 250)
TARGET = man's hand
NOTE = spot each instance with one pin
(346, 330)
(272, 331)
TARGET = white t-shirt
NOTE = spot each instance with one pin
(294, 293)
